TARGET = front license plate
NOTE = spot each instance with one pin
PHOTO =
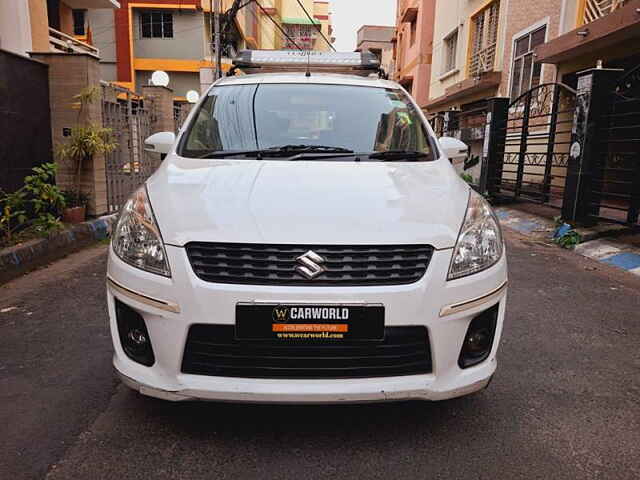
(292, 322)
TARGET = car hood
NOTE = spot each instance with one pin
(308, 202)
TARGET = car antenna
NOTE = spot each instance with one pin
(308, 74)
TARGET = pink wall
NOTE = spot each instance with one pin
(414, 61)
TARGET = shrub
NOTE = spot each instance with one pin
(34, 208)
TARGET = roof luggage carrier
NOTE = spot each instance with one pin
(362, 63)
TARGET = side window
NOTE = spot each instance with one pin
(79, 27)
(156, 24)
(450, 52)
(525, 73)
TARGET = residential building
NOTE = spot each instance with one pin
(381, 41)
(590, 32)
(176, 36)
(375, 38)
(468, 52)
(414, 46)
(48, 25)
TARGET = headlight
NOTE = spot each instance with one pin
(479, 244)
(137, 239)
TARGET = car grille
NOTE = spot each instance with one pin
(258, 264)
(213, 350)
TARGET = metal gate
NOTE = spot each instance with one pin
(615, 184)
(535, 145)
(129, 165)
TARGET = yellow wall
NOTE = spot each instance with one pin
(291, 9)
(322, 9)
(450, 15)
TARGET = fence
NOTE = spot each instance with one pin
(574, 150)
(615, 185)
(180, 113)
(129, 165)
(25, 118)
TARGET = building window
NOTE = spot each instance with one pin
(414, 28)
(79, 22)
(156, 25)
(304, 36)
(525, 74)
(484, 40)
(450, 51)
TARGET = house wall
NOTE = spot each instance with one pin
(291, 9)
(321, 13)
(101, 23)
(179, 82)
(413, 62)
(188, 29)
(15, 26)
(458, 13)
(523, 17)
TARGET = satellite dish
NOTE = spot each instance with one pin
(160, 78)
(193, 96)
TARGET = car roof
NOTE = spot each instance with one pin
(315, 78)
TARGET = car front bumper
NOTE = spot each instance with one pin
(170, 306)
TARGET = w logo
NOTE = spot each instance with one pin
(280, 315)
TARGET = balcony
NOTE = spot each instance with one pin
(592, 10)
(608, 24)
(62, 43)
(482, 61)
(408, 11)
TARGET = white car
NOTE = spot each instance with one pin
(306, 240)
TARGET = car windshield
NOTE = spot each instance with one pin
(239, 118)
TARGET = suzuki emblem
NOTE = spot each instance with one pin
(310, 265)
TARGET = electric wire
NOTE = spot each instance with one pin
(318, 27)
(278, 25)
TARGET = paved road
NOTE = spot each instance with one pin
(564, 404)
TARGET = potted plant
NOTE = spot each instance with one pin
(75, 210)
(85, 142)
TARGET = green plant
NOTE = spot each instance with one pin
(467, 178)
(569, 240)
(36, 206)
(72, 198)
(13, 214)
(86, 139)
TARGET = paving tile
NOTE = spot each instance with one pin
(597, 249)
(627, 261)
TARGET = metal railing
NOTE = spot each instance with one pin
(595, 9)
(482, 61)
(129, 165)
(61, 42)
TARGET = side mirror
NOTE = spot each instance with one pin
(160, 142)
(454, 149)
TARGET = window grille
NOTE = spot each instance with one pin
(485, 38)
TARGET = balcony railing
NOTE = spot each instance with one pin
(482, 61)
(61, 42)
(594, 9)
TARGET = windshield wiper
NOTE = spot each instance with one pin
(398, 155)
(232, 153)
(295, 151)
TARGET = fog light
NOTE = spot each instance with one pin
(134, 337)
(479, 338)
(137, 337)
